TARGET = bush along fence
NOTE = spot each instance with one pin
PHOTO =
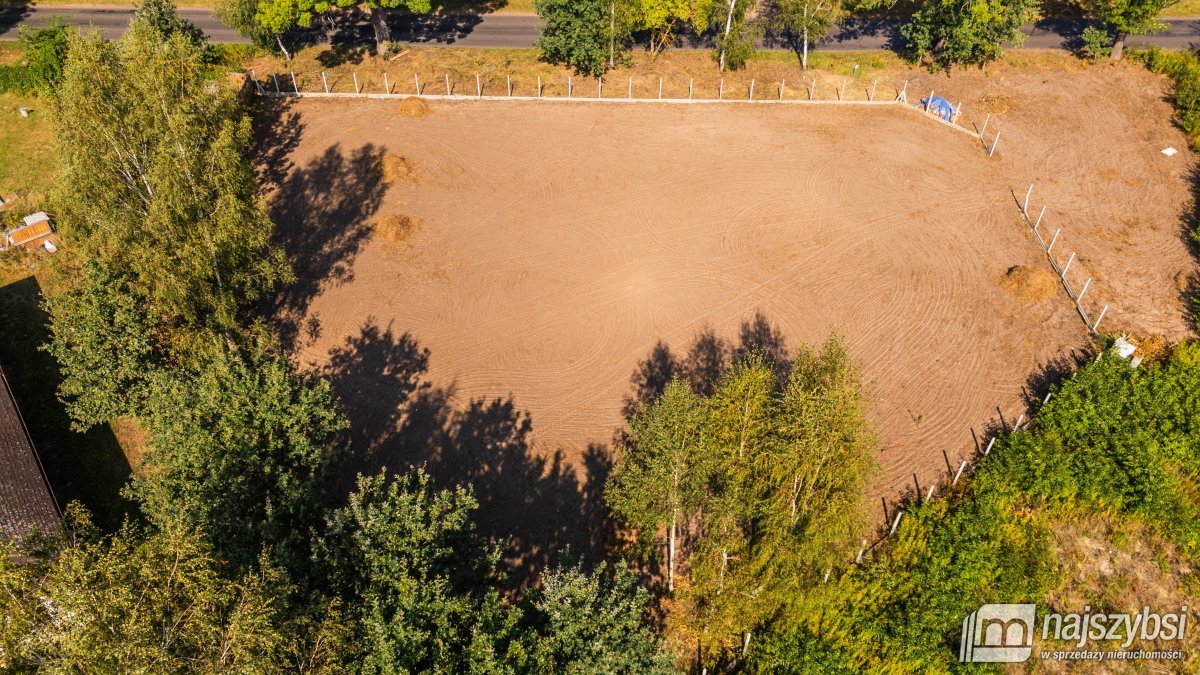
(1061, 268)
(815, 92)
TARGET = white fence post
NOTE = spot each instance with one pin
(1053, 240)
(1025, 205)
(751, 89)
(325, 82)
(994, 144)
(1096, 325)
(356, 89)
(1079, 298)
(448, 84)
(1068, 265)
(871, 97)
(275, 79)
(782, 84)
(478, 86)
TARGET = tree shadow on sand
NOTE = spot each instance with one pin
(707, 357)
(536, 505)
(322, 213)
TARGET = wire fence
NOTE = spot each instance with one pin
(600, 90)
(1062, 268)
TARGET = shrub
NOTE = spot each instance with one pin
(41, 69)
(1096, 43)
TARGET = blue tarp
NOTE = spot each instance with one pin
(938, 106)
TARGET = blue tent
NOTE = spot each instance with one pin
(938, 106)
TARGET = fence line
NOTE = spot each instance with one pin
(420, 91)
(940, 486)
(1061, 270)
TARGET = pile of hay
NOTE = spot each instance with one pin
(395, 229)
(393, 167)
(413, 107)
(1029, 283)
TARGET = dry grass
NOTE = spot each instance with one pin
(767, 70)
(395, 168)
(413, 107)
(1104, 562)
(396, 229)
(1029, 283)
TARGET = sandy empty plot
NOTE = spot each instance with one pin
(557, 243)
(527, 256)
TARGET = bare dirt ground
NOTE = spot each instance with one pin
(530, 254)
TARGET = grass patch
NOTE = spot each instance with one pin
(26, 146)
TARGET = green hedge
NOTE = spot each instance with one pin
(1184, 70)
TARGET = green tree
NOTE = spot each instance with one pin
(951, 32)
(241, 446)
(586, 35)
(162, 16)
(1128, 17)
(660, 474)
(739, 426)
(105, 346)
(803, 22)
(242, 16)
(404, 555)
(280, 16)
(812, 481)
(156, 184)
(661, 18)
(134, 602)
(589, 623)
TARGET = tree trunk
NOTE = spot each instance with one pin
(728, 28)
(671, 552)
(1118, 47)
(279, 41)
(804, 52)
(383, 32)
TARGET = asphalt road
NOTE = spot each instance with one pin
(517, 31)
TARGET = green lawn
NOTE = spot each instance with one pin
(26, 146)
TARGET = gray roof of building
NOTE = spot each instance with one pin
(26, 502)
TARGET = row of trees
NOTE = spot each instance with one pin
(245, 555)
(752, 490)
(592, 36)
